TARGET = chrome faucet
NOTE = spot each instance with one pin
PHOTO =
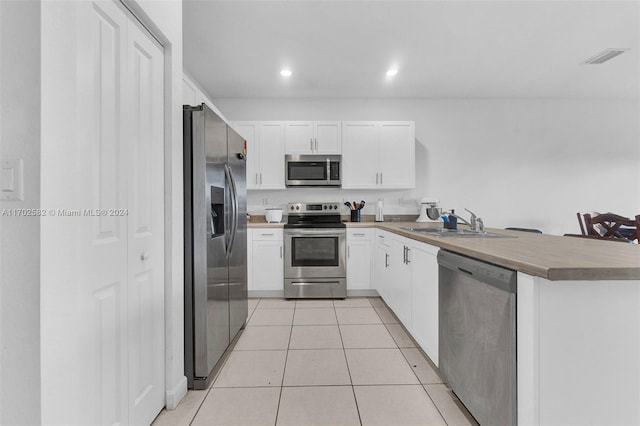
(475, 223)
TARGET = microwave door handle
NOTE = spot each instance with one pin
(328, 171)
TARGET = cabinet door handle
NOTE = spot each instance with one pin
(380, 178)
(266, 235)
(311, 142)
(408, 250)
(316, 140)
(386, 260)
(405, 255)
(377, 177)
(280, 252)
(358, 235)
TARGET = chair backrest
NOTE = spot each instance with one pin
(583, 230)
(609, 225)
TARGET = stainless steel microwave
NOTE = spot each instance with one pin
(313, 170)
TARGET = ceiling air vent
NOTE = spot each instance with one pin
(605, 55)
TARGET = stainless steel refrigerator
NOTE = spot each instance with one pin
(215, 232)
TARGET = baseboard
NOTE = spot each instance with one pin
(369, 292)
(280, 293)
(175, 395)
(266, 293)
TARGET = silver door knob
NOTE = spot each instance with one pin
(144, 256)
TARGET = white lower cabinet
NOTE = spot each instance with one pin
(359, 243)
(400, 287)
(382, 264)
(265, 259)
(406, 277)
(424, 297)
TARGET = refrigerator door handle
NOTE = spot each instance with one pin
(213, 232)
(234, 203)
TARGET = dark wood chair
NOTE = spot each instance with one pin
(583, 230)
(612, 226)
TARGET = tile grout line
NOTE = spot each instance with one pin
(344, 352)
(284, 370)
(218, 372)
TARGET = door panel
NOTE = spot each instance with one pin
(106, 271)
(145, 147)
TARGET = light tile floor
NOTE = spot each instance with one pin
(322, 362)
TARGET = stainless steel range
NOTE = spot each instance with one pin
(314, 248)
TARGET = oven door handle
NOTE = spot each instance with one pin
(314, 232)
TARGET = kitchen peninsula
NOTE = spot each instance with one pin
(578, 315)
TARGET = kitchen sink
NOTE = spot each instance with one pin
(465, 233)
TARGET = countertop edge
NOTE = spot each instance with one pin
(551, 272)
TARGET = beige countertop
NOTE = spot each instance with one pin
(552, 257)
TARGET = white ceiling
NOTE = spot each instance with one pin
(443, 49)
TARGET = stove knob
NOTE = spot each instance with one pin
(324, 207)
(292, 207)
(297, 207)
(335, 207)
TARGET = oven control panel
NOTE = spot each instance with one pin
(314, 208)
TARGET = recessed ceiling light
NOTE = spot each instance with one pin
(392, 72)
(285, 73)
(605, 56)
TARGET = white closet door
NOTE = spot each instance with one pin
(102, 330)
(144, 146)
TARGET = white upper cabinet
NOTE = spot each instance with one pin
(397, 154)
(359, 154)
(378, 154)
(313, 137)
(265, 153)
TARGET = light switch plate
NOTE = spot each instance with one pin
(11, 180)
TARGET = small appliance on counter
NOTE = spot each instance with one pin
(273, 214)
(429, 210)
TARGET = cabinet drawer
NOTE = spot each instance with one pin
(267, 234)
(384, 237)
(360, 234)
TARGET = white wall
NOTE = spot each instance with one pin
(20, 243)
(527, 163)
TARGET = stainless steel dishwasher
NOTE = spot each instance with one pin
(477, 336)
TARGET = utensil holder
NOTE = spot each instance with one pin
(355, 215)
